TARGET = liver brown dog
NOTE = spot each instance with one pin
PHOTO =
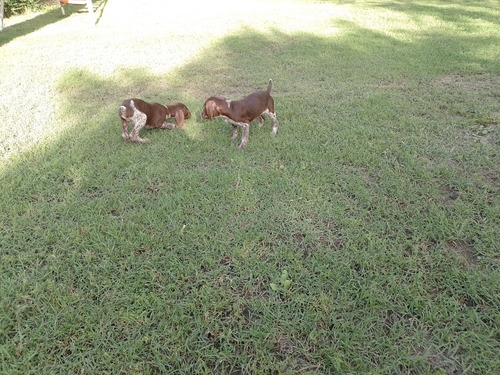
(150, 116)
(242, 112)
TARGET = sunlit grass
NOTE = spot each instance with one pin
(178, 33)
(175, 33)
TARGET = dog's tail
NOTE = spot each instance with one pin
(269, 85)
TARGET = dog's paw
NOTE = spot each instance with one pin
(140, 140)
(168, 125)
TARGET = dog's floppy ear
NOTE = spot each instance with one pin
(211, 109)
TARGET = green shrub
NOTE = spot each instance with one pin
(19, 6)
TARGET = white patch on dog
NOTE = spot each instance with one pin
(274, 119)
(138, 119)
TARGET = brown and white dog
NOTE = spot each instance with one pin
(242, 112)
(150, 116)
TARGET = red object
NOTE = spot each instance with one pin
(74, 2)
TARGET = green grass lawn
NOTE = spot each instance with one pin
(363, 239)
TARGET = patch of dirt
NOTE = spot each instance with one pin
(488, 136)
(449, 194)
(465, 249)
(473, 83)
(285, 345)
(483, 109)
(445, 363)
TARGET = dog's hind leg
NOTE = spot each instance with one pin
(139, 120)
(261, 121)
(274, 119)
(235, 132)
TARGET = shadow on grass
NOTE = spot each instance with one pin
(172, 209)
(311, 75)
(10, 33)
(320, 89)
(464, 11)
(49, 17)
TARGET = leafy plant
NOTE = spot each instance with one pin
(19, 6)
(284, 282)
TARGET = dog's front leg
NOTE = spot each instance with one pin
(235, 128)
(244, 135)
(167, 125)
(244, 131)
(125, 135)
(235, 132)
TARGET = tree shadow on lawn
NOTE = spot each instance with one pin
(173, 180)
(311, 76)
(319, 83)
(20, 29)
(10, 33)
(446, 11)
